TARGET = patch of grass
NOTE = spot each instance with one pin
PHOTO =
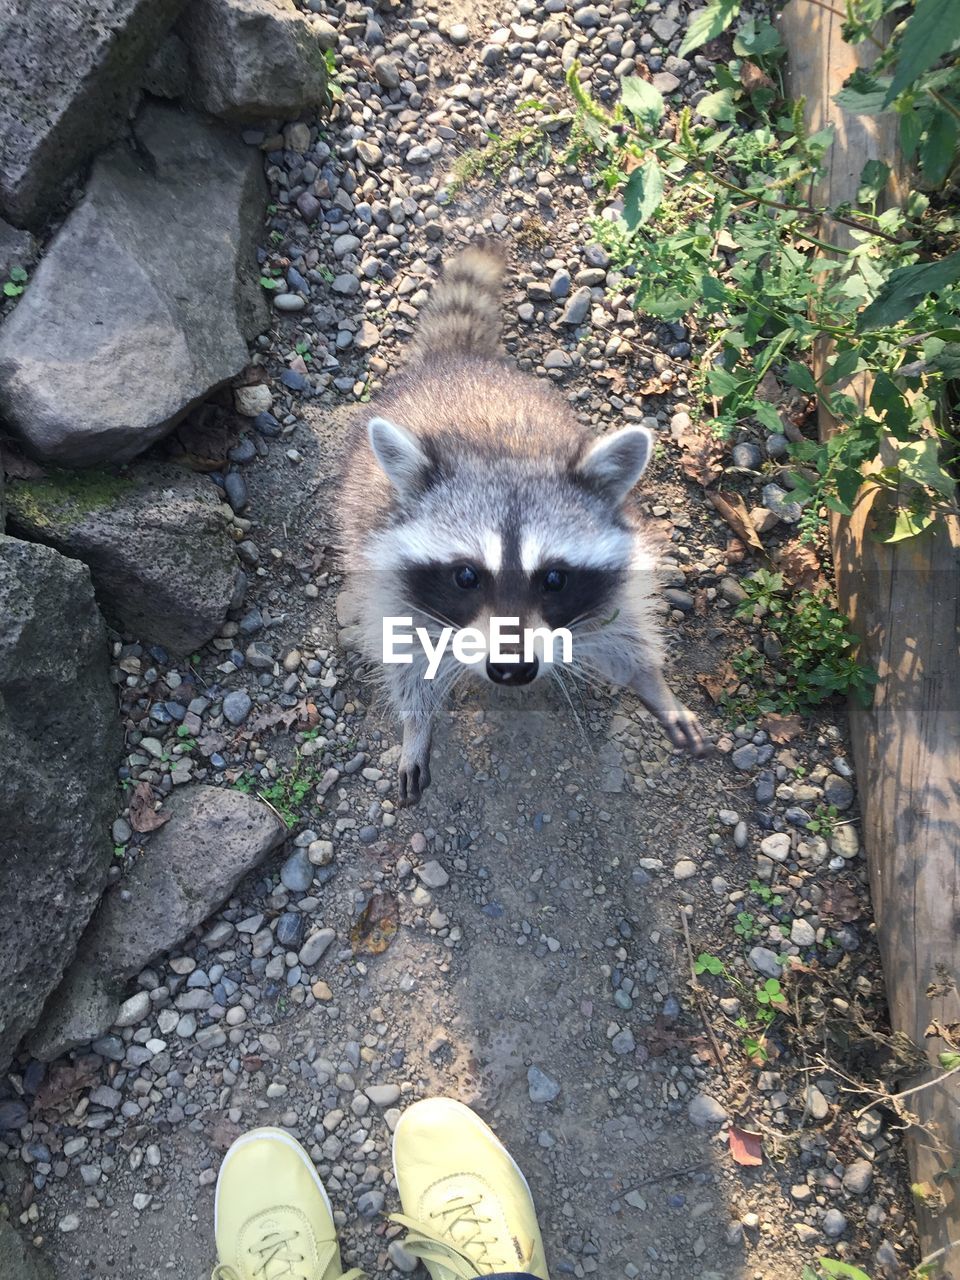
(62, 498)
(816, 651)
(287, 793)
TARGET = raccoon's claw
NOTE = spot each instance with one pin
(685, 730)
(414, 779)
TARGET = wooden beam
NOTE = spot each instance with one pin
(904, 602)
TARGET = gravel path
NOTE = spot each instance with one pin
(539, 970)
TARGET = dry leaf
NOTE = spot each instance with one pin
(753, 77)
(701, 459)
(143, 815)
(305, 715)
(841, 903)
(734, 510)
(717, 683)
(376, 926)
(745, 1147)
(800, 566)
(63, 1082)
(781, 728)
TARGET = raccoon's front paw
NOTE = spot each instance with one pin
(414, 778)
(685, 730)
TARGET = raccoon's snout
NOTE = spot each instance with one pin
(513, 673)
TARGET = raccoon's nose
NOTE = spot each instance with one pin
(512, 672)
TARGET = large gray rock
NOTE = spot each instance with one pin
(163, 564)
(254, 59)
(145, 298)
(19, 1260)
(59, 744)
(68, 73)
(190, 866)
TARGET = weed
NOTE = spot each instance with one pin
(16, 284)
(334, 88)
(817, 652)
(746, 926)
(824, 821)
(716, 226)
(707, 963)
(286, 793)
(833, 1269)
(765, 894)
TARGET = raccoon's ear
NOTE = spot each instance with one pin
(616, 462)
(398, 452)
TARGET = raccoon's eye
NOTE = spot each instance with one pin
(554, 580)
(466, 577)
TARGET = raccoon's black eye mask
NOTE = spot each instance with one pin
(457, 594)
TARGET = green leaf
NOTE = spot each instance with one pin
(841, 1270)
(708, 24)
(905, 288)
(12, 290)
(938, 148)
(18, 275)
(889, 402)
(722, 383)
(920, 461)
(873, 178)
(863, 93)
(643, 194)
(642, 100)
(931, 31)
(909, 523)
(799, 376)
(949, 1060)
(718, 106)
(911, 131)
(756, 39)
(842, 367)
(768, 415)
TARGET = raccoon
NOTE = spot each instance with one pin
(471, 492)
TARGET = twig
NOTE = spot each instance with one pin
(667, 1173)
(695, 982)
(905, 1093)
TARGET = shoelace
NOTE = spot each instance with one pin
(277, 1247)
(466, 1253)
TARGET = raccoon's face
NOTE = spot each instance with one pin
(475, 541)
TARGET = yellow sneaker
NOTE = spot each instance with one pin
(272, 1217)
(466, 1205)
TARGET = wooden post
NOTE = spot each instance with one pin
(904, 602)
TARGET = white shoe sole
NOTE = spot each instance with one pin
(465, 1113)
(271, 1135)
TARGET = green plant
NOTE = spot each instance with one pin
(824, 821)
(707, 963)
(817, 651)
(765, 894)
(286, 793)
(272, 278)
(303, 350)
(334, 88)
(716, 226)
(833, 1269)
(16, 284)
(746, 926)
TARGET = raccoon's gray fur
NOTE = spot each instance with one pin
(469, 491)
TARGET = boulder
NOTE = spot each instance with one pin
(254, 59)
(214, 836)
(68, 72)
(144, 300)
(154, 538)
(59, 743)
(19, 1260)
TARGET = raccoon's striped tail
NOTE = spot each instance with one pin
(463, 314)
